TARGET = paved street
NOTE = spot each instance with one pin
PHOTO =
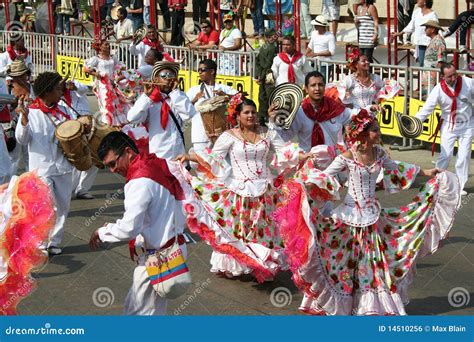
(82, 282)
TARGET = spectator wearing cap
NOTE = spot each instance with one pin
(177, 18)
(331, 10)
(290, 65)
(436, 49)
(263, 72)
(230, 40)
(208, 38)
(322, 44)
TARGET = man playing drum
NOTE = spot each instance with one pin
(75, 102)
(204, 91)
(164, 108)
(36, 130)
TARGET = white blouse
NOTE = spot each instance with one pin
(414, 26)
(359, 95)
(103, 66)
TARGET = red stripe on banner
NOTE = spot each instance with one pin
(171, 275)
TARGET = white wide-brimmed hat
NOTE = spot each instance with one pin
(320, 20)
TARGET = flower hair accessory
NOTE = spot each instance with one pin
(353, 58)
(232, 108)
(359, 122)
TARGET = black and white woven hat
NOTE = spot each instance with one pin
(409, 126)
(287, 97)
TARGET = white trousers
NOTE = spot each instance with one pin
(82, 181)
(61, 187)
(448, 138)
(16, 156)
(141, 298)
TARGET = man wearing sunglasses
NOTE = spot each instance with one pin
(153, 215)
(208, 38)
(207, 89)
(164, 108)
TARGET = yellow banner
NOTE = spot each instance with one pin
(67, 65)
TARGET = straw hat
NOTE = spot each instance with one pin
(320, 20)
(433, 23)
(287, 97)
(161, 65)
(17, 68)
(228, 17)
(409, 126)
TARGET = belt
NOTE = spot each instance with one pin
(170, 242)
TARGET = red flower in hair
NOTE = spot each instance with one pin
(359, 123)
(353, 58)
(231, 108)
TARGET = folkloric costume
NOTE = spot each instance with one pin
(153, 212)
(361, 258)
(230, 205)
(26, 217)
(47, 159)
(290, 69)
(164, 115)
(113, 104)
(456, 123)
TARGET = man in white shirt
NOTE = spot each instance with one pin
(322, 44)
(153, 212)
(149, 42)
(124, 27)
(15, 49)
(455, 96)
(320, 119)
(36, 129)
(165, 108)
(204, 91)
(290, 65)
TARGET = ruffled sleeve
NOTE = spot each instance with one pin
(92, 62)
(397, 175)
(286, 154)
(212, 163)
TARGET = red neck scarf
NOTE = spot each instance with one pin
(156, 97)
(328, 110)
(447, 91)
(67, 97)
(154, 45)
(291, 72)
(13, 55)
(148, 165)
(54, 111)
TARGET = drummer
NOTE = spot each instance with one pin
(74, 100)
(164, 108)
(36, 130)
(206, 90)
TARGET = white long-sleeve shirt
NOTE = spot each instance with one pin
(150, 211)
(139, 50)
(165, 143)
(302, 127)
(5, 61)
(78, 101)
(43, 150)
(414, 26)
(198, 132)
(280, 70)
(464, 104)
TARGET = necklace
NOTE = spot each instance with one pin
(367, 161)
(246, 138)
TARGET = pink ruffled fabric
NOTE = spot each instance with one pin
(32, 218)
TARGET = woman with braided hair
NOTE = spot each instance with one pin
(113, 104)
(360, 259)
(239, 185)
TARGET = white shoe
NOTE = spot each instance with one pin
(463, 193)
(52, 250)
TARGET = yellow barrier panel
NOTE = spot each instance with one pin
(66, 66)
